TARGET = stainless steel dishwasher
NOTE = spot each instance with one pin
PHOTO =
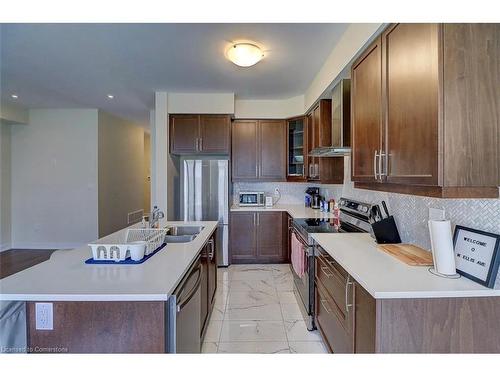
(185, 312)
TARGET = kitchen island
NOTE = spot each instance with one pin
(107, 308)
(369, 302)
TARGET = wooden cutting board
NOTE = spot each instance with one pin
(409, 254)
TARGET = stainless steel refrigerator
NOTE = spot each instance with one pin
(205, 197)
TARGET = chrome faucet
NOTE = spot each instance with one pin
(155, 216)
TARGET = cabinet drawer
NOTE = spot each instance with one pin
(339, 337)
(334, 279)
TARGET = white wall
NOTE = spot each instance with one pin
(269, 108)
(54, 179)
(120, 171)
(5, 192)
(201, 103)
(351, 42)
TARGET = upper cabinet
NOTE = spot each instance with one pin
(425, 111)
(297, 149)
(199, 134)
(327, 170)
(258, 150)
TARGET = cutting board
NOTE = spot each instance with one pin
(409, 254)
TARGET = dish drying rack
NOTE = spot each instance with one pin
(119, 252)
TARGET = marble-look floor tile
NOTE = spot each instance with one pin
(263, 311)
(209, 347)
(291, 311)
(281, 269)
(218, 313)
(283, 283)
(251, 275)
(265, 285)
(252, 297)
(252, 331)
(296, 331)
(307, 347)
(213, 331)
(259, 347)
(287, 297)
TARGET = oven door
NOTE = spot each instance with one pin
(304, 285)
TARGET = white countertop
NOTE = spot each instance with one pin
(65, 276)
(296, 211)
(383, 276)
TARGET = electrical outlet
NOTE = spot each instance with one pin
(436, 213)
(276, 191)
(44, 316)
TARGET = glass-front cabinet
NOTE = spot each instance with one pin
(297, 149)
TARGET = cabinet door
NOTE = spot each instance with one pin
(366, 113)
(214, 134)
(184, 134)
(410, 88)
(296, 149)
(212, 271)
(244, 150)
(204, 289)
(272, 153)
(269, 237)
(243, 237)
(311, 161)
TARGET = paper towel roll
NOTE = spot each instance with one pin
(442, 247)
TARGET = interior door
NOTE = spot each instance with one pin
(214, 134)
(184, 134)
(244, 150)
(366, 113)
(410, 85)
(272, 152)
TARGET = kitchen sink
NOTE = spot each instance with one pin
(169, 238)
(184, 230)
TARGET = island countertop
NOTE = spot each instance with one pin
(383, 276)
(65, 276)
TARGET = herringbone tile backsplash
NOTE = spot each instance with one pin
(410, 212)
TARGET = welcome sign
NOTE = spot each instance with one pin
(477, 255)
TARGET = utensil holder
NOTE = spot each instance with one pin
(386, 231)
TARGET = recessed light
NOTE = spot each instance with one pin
(14, 96)
(244, 54)
(110, 96)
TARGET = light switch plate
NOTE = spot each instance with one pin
(44, 316)
(436, 213)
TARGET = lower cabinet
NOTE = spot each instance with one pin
(258, 237)
(208, 282)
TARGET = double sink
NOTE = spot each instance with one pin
(182, 234)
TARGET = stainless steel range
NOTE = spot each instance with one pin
(354, 217)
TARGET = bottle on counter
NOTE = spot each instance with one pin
(307, 201)
(331, 205)
(336, 211)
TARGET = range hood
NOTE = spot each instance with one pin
(341, 123)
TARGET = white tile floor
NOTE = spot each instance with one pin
(256, 312)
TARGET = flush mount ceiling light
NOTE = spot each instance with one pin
(244, 54)
(14, 96)
(110, 96)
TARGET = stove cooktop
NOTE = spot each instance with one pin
(319, 225)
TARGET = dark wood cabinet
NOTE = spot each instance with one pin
(425, 111)
(258, 150)
(208, 282)
(297, 150)
(199, 134)
(326, 170)
(212, 272)
(366, 112)
(257, 237)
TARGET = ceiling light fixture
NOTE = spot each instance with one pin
(111, 96)
(14, 96)
(244, 54)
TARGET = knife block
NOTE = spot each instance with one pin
(386, 231)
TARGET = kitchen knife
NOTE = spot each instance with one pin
(385, 208)
(379, 213)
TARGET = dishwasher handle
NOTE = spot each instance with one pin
(192, 292)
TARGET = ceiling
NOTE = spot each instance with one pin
(77, 65)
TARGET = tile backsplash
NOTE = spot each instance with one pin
(410, 212)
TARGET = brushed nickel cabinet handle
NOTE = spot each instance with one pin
(323, 303)
(375, 164)
(381, 173)
(347, 284)
(323, 268)
(201, 144)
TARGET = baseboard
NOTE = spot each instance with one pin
(45, 246)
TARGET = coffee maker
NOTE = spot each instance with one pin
(313, 192)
